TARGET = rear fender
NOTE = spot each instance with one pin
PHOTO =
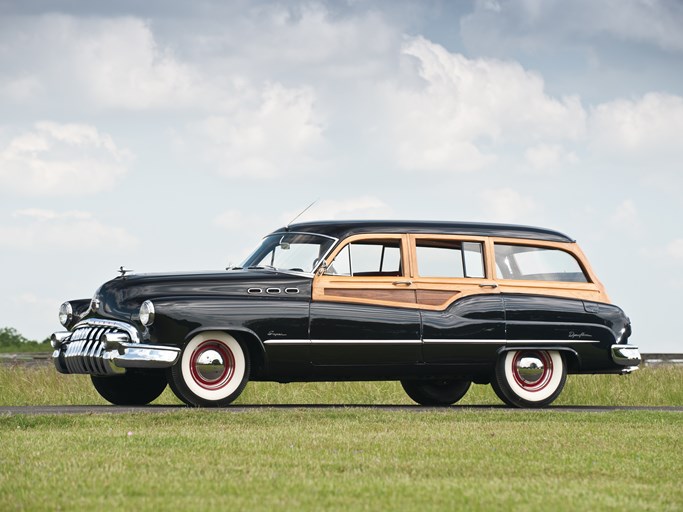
(572, 358)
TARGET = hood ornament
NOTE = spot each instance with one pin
(124, 271)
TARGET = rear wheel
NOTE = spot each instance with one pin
(529, 378)
(212, 371)
(131, 388)
(437, 392)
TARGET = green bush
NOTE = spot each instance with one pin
(12, 341)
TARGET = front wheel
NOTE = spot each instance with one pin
(529, 378)
(212, 371)
(131, 388)
(438, 393)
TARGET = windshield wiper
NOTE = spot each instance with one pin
(261, 267)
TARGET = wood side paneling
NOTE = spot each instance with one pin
(435, 297)
(362, 294)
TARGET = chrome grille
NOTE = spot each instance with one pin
(84, 351)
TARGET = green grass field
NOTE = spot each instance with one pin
(341, 459)
(345, 458)
(662, 385)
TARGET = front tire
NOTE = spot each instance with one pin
(212, 371)
(436, 393)
(529, 378)
(131, 388)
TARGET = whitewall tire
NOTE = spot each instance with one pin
(530, 378)
(212, 371)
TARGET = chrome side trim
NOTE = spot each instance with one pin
(287, 342)
(627, 355)
(428, 340)
(507, 342)
(460, 340)
(340, 342)
(366, 342)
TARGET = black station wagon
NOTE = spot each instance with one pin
(434, 305)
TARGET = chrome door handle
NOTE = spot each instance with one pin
(487, 285)
(402, 283)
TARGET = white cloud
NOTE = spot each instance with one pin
(125, 62)
(533, 24)
(548, 156)
(112, 62)
(124, 66)
(328, 209)
(507, 205)
(276, 133)
(363, 207)
(651, 124)
(21, 89)
(675, 249)
(61, 160)
(47, 231)
(465, 106)
(626, 218)
(238, 222)
(301, 38)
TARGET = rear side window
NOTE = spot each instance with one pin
(537, 264)
(449, 258)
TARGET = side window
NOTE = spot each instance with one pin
(537, 264)
(368, 258)
(449, 258)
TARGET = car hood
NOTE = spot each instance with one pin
(121, 298)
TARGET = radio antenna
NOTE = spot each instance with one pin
(300, 214)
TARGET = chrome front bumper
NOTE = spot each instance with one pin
(106, 347)
(627, 356)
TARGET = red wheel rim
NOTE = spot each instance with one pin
(212, 364)
(532, 370)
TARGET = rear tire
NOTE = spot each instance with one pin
(212, 370)
(437, 392)
(529, 378)
(131, 388)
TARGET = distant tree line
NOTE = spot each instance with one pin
(12, 341)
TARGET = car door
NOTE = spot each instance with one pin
(463, 318)
(363, 310)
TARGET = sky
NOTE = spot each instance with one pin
(172, 135)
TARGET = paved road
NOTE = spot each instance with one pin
(156, 409)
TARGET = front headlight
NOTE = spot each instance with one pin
(66, 314)
(147, 313)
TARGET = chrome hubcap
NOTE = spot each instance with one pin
(212, 365)
(530, 369)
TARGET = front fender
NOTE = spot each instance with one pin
(176, 319)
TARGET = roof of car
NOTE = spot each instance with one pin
(343, 228)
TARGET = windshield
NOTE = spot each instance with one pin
(299, 252)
